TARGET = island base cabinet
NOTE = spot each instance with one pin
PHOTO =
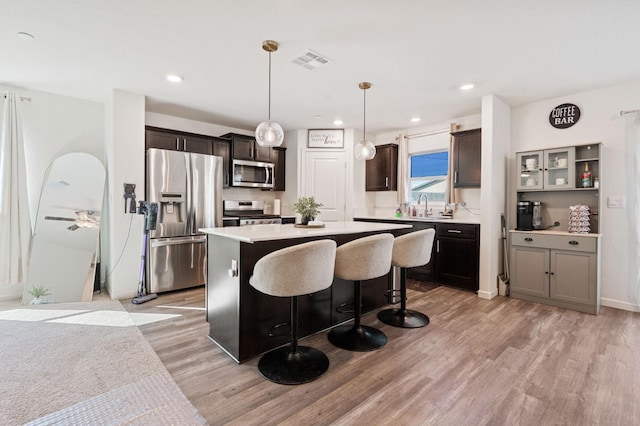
(373, 294)
(543, 271)
(245, 322)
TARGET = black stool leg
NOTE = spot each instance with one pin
(293, 365)
(358, 337)
(403, 317)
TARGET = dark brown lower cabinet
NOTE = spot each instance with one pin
(457, 262)
(455, 256)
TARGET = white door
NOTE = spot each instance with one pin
(325, 179)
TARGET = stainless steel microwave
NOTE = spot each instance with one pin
(252, 174)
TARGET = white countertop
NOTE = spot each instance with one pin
(564, 233)
(253, 233)
(437, 219)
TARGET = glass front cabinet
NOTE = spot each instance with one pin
(549, 169)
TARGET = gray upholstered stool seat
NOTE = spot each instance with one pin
(362, 259)
(292, 272)
(409, 250)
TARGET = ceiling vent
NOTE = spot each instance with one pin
(310, 60)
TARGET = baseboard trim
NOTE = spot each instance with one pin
(618, 304)
(487, 294)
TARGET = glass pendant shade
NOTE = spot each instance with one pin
(269, 133)
(365, 150)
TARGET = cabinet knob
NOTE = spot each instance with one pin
(528, 239)
(546, 272)
(454, 231)
(573, 243)
(386, 181)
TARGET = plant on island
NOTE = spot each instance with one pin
(308, 208)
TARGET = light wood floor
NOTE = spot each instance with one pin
(498, 362)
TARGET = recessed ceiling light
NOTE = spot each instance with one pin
(338, 122)
(467, 86)
(416, 119)
(174, 78)
(25, 36)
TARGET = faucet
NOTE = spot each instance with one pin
(426, 203)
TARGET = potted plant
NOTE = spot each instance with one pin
(38, 294)
(308, 209)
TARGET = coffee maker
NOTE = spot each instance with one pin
(529, 216)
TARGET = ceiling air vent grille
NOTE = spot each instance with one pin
(310, 60)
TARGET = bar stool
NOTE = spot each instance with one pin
(358, 260)
(291, 272)
(409, 250)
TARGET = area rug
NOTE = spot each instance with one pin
(421, 286)
(83, 363)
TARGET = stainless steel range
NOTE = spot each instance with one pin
(248, 213)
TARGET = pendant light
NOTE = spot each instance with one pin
(365, 149)
(269, 133)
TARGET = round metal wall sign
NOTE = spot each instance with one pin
(564, 116)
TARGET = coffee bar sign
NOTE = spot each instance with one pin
(564, 116)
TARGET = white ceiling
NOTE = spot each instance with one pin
(414, 52)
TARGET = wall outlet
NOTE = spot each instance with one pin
(617, 202)
(463, 203)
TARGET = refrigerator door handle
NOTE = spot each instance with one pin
(162, 242)
(190, 224)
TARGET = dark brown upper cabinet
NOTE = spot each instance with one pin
(177, 141)
(245, 147)
(382, 170)
(222, 148)
(467, 150)
(278, 155)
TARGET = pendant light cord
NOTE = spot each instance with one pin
(364, 119)
(269, 112)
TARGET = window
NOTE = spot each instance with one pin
(428, 172)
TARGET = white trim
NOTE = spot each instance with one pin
(618, 304)
(487, 294)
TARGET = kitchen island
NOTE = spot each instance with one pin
(245, 322)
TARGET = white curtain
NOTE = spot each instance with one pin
(633, 195)
(404, 193)
(15, 221)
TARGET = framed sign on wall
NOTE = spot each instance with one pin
(326, 138)
(564, 116)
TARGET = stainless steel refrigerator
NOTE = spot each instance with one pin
(188, 190)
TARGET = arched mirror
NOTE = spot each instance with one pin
(67, 229)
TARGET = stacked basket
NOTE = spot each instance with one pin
(579, 219)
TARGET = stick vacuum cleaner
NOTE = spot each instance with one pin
(150, 212)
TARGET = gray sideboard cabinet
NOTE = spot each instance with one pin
(558, 269)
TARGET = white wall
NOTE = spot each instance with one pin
(295, 172)
(384, 203)
(496, 119)
(122, 238)
(53, 125)
(600, 122)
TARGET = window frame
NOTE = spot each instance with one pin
(446, 178)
